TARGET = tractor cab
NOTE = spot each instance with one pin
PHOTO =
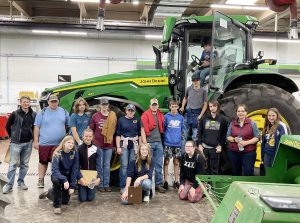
(183, 41)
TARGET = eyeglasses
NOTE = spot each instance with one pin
(195, 79)
(154, 104)
(104, 104)
(130, 110)
(53, 101)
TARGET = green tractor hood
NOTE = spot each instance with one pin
(137, 77)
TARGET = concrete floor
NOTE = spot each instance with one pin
(27, 208)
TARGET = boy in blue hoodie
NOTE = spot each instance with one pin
(173, 127)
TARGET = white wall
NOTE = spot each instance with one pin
(285, 53)
(32, 62)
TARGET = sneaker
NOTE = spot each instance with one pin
(43, 195)
(176, 185)
(160, 189)
(101, 189)
(57, 211)
(146, 199)
(107, 189)
(166, 185)
(40, 183)
(22, 186)
(7, 188)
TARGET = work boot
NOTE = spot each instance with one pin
(40, 183)
(160, 189)
(107, 189)
(146, 199)
(43, 195)
(176, 185)
(101, 189)
(166, 185)
(6, 189)
(57, 211)
(22, 186)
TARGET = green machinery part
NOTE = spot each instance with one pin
(285, 169)
(243, 203)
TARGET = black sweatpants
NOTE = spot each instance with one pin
(212, 160)
(58, 194)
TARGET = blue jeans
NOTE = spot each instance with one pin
(127, 155)
(242, 161)
(203, 73)
(268, 159)
(158, 158)
(146, 187)
(105, 166)
(85, 193)
(185, 133)
(19, 152)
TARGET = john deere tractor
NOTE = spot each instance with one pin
(234, 75)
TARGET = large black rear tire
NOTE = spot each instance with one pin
(263, 96)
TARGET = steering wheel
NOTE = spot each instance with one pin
(196, 59)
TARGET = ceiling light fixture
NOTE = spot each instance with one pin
(73, 33)
(275, 40)
(76, 33)
(135, 2)
(240, 2)
(161, 14)
(87, 1)
(147, 36)
(45, 31)
(239, 7)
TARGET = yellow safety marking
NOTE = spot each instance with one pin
(239, 205)
(292, 143)
(149, 81)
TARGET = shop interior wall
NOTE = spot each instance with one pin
(33, 62)
(286, 54)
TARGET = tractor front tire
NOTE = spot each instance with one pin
(263, 96)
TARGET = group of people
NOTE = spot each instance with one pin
(78, 143)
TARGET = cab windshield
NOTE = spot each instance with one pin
(229, 47)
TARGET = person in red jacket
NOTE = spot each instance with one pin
(151, 130)
(242, 136)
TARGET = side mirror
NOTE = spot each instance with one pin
(260, 54)
(164, 47)
(158, 64)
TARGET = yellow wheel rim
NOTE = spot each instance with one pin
(259, 117)
(115, 163)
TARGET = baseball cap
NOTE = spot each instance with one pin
(130, 106)
(103, 101)
(195, 77)
(153, 101)
(53, 97)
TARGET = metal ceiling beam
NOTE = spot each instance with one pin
(152, 10)
(210, 11)
(268, 19)
(21, 7)
(83, 12)
(137, 28)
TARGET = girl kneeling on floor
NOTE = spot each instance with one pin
(64, 172)
(192, 163)
(139, 172)
(89, 159)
